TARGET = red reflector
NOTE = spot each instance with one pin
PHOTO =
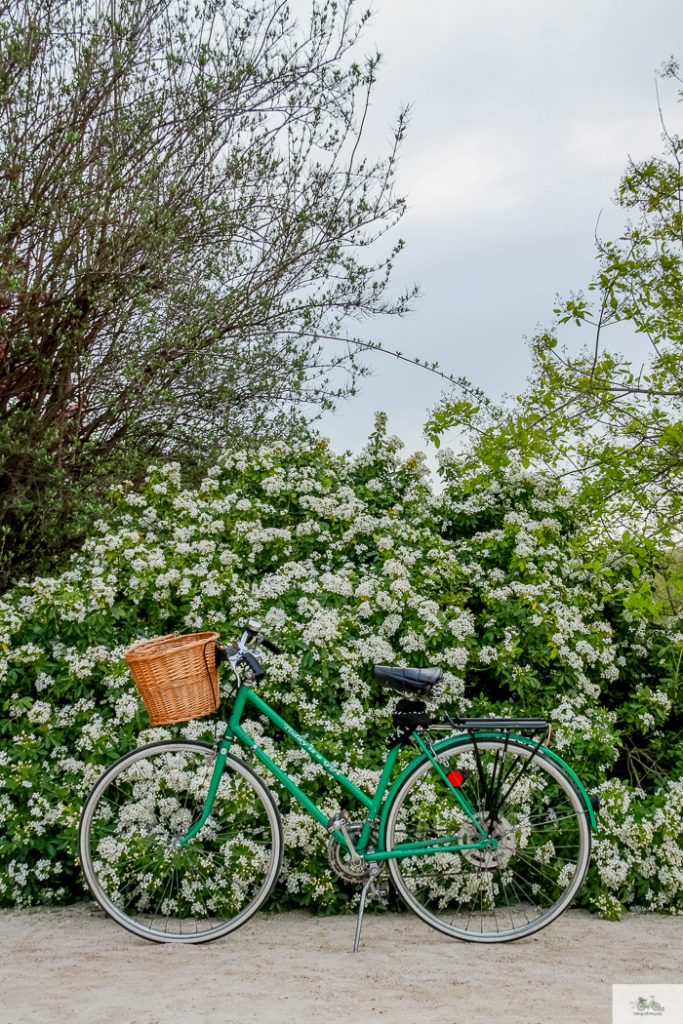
(456, 779)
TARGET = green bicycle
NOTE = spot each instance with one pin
(485, 834)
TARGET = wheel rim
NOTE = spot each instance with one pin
(137, 869)
(499, 894)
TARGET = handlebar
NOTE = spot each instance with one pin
(253, 633)
(270, 646)
(240, 650)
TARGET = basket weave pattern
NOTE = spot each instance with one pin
(176, 676)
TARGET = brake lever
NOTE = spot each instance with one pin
(224, 652)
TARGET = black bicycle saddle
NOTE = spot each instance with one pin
(407, 680)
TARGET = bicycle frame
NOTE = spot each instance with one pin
(375, 805)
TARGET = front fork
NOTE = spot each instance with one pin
(218, 768)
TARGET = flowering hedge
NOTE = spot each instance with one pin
(348, 561)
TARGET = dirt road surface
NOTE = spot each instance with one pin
(74, 966)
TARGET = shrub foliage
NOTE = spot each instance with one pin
(347, 562)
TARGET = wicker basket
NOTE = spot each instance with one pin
(176, 676)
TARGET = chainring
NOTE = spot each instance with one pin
(340, 859)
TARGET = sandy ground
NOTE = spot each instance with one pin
(74, 966)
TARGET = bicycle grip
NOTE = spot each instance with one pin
(270, 646)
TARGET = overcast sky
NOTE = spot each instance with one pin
(523, 118)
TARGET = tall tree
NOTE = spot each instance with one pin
(186, 222)
(609, 422)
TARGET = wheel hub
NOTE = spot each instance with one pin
(489, 859)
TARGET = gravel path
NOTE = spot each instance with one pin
(74, 966)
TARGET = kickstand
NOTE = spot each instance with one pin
(374, 871)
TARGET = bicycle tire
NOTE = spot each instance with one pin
(542, 827)
(132, 861)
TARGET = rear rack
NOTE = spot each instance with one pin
(486, 724)
(410, 715)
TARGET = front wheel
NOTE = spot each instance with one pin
(135, 867)
(527, 804)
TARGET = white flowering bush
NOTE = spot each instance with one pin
(348, 561)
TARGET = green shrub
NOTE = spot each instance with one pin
(347, 562)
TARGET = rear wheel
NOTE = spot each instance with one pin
(531, 808)
(136, 868)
